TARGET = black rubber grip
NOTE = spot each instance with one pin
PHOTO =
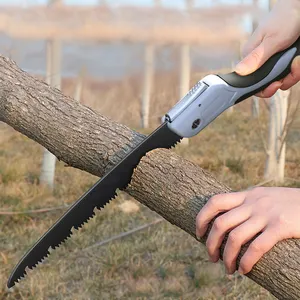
(236, 80)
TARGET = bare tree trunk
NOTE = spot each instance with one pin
(165, 182)
(79, 85)
(185, 76)
(53, 77)
(255, 107)
(282, 97)
(270, 168)
(275, 164)
(47, 174)
(147, 86)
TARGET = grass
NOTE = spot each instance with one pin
(152, 264)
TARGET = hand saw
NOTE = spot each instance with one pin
(203, 103)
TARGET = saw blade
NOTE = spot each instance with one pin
(96, 197)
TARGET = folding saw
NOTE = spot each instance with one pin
(204, 102)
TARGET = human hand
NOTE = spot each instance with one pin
(278, 32)
(272, 212)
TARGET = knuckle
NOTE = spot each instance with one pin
(264, 202)
(256, 247)
(282, 220)
(214, 201)
(255, 54)
(234, 238)
(219, 224)
(285, 41)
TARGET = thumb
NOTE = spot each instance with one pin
(257, 57)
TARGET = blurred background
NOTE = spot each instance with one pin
(132, 61)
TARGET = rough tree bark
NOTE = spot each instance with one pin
(165, 182)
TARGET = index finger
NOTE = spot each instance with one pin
(215, 205)
(253, 42)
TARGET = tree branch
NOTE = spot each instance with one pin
(165, 182)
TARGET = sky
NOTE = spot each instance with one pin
(175, 3)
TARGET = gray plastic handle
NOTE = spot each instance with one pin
(215, 93)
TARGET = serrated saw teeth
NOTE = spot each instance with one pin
(98, 196)
(103, 206)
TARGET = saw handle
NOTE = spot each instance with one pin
(212, 95)
(275, 69)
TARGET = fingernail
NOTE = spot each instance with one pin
(241, 271)
(198, 234)
(241, 68)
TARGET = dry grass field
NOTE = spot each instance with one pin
(150, 264)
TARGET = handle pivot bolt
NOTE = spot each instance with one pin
(196, 123)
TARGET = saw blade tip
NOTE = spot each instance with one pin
(10, 283)
(14, 278)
